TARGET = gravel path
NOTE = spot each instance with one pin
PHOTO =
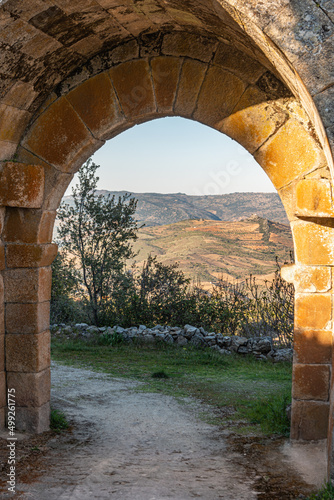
(124, 444)
(133, 446)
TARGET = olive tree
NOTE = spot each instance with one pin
(96, 232)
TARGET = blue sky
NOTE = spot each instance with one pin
(172, 155)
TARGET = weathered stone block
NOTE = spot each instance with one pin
(96, 103)
(308, 278)
(34, 420)
(12, 123)
(252, 126)
(3, 389)
(59, 136)
(28, 285)
(30, 255)
(2, 317)
(21, 95)
(252, 97)
(21, 185)
(314, 243)
(189, 45)
(2, 257)
(165, 74)
(314, 198)
(311, 382)
(2, 352)
(31, 389)
(129, 17)
(2, 218)
(292, 151)
(238, 62)
(313, 346)
(288, 198)
(28, 226)
(2, 417)
(133, 84)
(56, 184)
(309, 420)
(125, 52)
(219, 94)
(313, 310)
(27, 318)
(191, 79)
(88, 46)
(7, 150)
(27, 352)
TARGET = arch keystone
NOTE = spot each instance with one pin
(165, 74)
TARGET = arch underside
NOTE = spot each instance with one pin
(81, 72)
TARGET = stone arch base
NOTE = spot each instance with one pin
(245, 101)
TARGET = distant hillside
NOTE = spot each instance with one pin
(207, 249)
(160, 209)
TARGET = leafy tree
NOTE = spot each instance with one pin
(65, 278)
(97, 233)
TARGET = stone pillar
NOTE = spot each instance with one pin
(26, 291)
(27, 299)
(3, 388)
(312, 351)
(312, 276)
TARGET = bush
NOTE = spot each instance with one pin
(161, 294)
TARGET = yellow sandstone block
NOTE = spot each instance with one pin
(314, 243)
(291, 152)
(314, 198)
(133, 84)
(165, 74)
(313, 311)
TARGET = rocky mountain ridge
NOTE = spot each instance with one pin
(155, 209)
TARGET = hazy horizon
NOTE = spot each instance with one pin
(176, 155)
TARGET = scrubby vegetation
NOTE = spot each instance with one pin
(91, 282)
(160, 294)
(326, 493)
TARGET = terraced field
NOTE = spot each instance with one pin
(207, 250)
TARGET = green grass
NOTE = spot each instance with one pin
(326, 493)
(237, 388)
(58, 421)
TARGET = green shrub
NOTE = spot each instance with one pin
(58, 421)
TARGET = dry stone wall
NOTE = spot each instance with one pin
(262, 348)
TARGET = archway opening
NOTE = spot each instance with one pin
(249, 103)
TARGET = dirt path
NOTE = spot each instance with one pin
(129, 445)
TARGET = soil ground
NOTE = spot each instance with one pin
(124, 444)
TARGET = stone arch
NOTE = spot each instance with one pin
(203, 62)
